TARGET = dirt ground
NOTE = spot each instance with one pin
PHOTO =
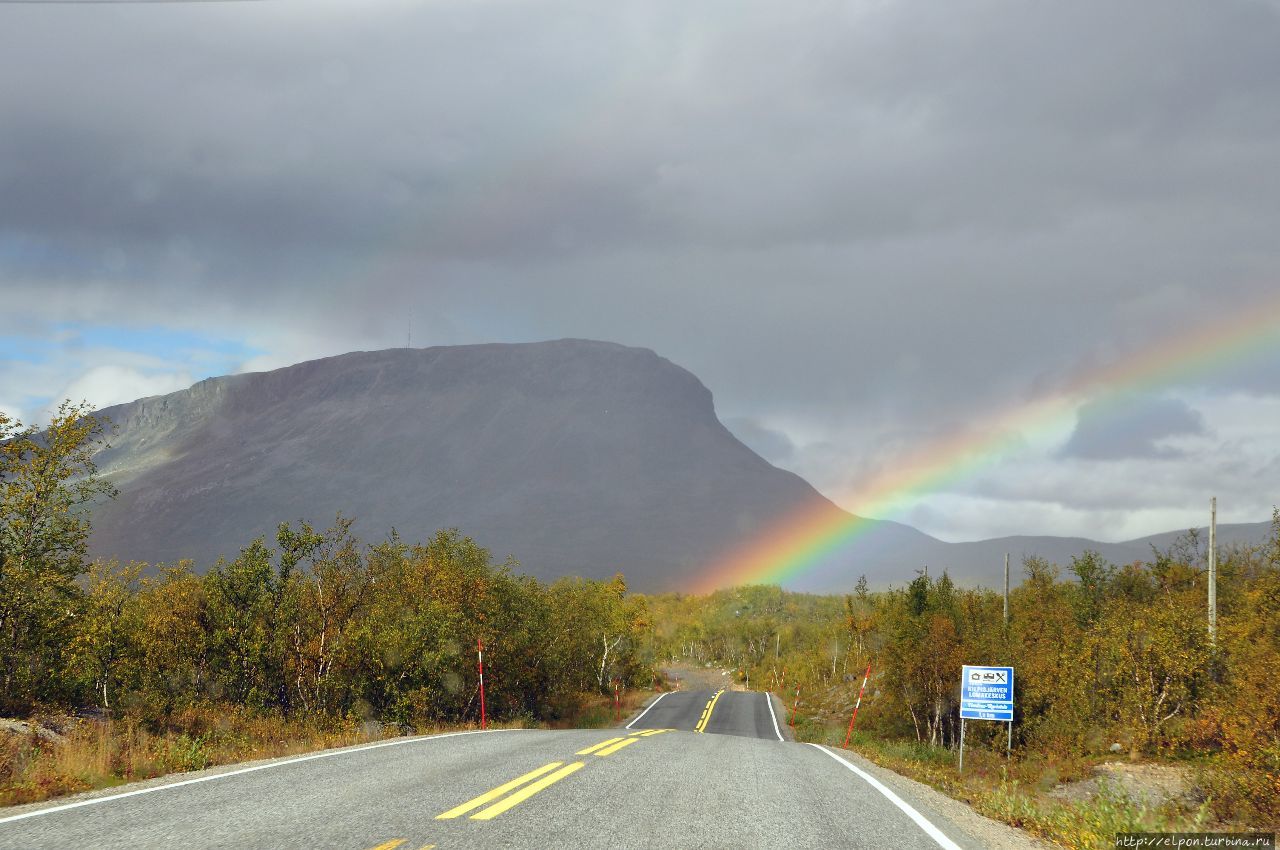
(693, 677)
(1153, 784)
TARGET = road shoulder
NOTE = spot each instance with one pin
(957, 819)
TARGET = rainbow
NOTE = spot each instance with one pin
(801, 542)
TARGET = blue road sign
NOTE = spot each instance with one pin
(986, 693)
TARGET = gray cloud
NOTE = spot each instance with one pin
(770, 444)
(1132, 428)
(862, 223)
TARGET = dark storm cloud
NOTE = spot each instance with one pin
(493, 131)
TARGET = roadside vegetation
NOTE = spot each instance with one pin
(312, 639)
(113, 672)
(1111, 663)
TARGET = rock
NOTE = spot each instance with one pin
(1116, 748)
(21, 727)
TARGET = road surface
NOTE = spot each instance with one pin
(696, 769)
(750, 714)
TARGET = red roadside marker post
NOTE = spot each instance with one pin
(484, 721)
(849, 733)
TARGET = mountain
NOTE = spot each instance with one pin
(982, 561)
(577, 457)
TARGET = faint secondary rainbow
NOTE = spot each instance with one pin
(796, 544)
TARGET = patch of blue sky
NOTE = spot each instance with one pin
(24, 349)
(203, 355)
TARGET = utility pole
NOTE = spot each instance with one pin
(1006, 588)
(1213, 570)
(484, 721)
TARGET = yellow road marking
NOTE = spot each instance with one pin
(653, 732)
(528, 791)
(706, 713)
(489, 796)
(611, 750)
(589, 750)
(703, 719)
(427, 847)
(390, 845)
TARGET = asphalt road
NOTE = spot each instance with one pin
(642, 786)
(750, 714)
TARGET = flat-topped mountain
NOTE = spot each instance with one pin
(578, 457)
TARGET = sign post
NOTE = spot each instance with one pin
(849, 733)
(986, 693)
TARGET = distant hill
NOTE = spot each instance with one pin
(982, 561)
(577, 457)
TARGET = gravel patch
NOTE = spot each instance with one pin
(1150, 784)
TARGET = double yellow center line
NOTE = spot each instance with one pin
(530, 788)
(612, 745)
(706, 713)
(608, 747)
(523, 787)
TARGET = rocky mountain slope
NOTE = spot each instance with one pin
(576, 457)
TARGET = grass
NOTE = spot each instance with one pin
(104, 753)
(1090, 824)
(598, 712)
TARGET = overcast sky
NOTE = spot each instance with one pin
(863, 225)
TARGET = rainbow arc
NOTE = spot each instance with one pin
(795, 545)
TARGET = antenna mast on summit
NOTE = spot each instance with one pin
(1213, 570)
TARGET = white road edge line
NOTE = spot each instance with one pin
(94, 801)
(923, 822)
(647, 710)
(768, 700)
